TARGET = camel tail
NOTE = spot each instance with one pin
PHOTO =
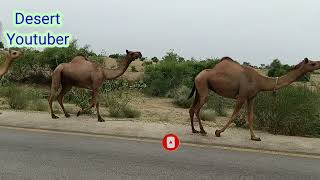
(192, 91)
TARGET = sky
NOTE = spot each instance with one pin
(246, 30)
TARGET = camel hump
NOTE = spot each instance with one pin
(226, 58)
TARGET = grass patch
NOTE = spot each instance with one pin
(180, 96)
(207, 115)
(294, 111)
(118, 106)
(23, 98)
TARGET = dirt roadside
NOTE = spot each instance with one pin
(233, 137)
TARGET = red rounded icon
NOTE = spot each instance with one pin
(170, 142)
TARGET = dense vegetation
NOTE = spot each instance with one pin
(294, 111)
(172, 72)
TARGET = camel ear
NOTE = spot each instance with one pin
(127, 51)
(306, 60)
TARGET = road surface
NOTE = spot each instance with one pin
(49, 155)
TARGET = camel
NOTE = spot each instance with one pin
(85, 74)
(231, 80)
(10, 56)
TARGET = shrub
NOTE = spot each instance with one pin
(207, 115)
(117, 103)
(155, 59)
(129, 112)
(80, 97)
(16, 98)
(172, 72)
(134, 69)
(19, 98)
(180, 96)
(117, 56)
(294, 111)
(218, 104)
(277, 69)
(39, 105)
(146, 63)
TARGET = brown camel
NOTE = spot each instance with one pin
(85, 74)
(230, 79)
(10, 56)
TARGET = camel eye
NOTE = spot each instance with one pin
(313, 64)
(14, 53)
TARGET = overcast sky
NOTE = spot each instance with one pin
(246, 30)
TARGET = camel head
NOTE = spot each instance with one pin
(15, 54)
(11, 54)
(307, 65)
(131, 55)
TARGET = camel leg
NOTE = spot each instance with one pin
(51, 99)
(191, 112)
(239, 104)
(250, 120)
(63, 91)
(202, 101)
(100, 119)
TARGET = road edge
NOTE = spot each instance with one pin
(158, 140)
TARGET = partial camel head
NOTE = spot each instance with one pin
(307, 65)
(11, 54)
(133, 55)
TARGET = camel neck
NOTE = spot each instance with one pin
(5, 67)
(270, 84)
(114, 73)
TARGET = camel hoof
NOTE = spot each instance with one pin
(67, 115)
(100, 119)
(255, 139)
(217, 133)
(78, 114)
(203, 132)
(195, 131)
(54, 116)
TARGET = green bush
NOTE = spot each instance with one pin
(294, 111)
(180, 96)
(117, 103)
(121, 84)
(277, 69)
(134, 69)
(207, 115)
(39, 105)
(80, 97)
(218, 103)
(172, 72)
(19, 98)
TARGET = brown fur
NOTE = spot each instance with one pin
(231, 80)
(85, 74)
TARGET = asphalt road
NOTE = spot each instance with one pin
(46, 155)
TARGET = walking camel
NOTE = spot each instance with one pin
(10, 56)
(85, 74)
(230, 79)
